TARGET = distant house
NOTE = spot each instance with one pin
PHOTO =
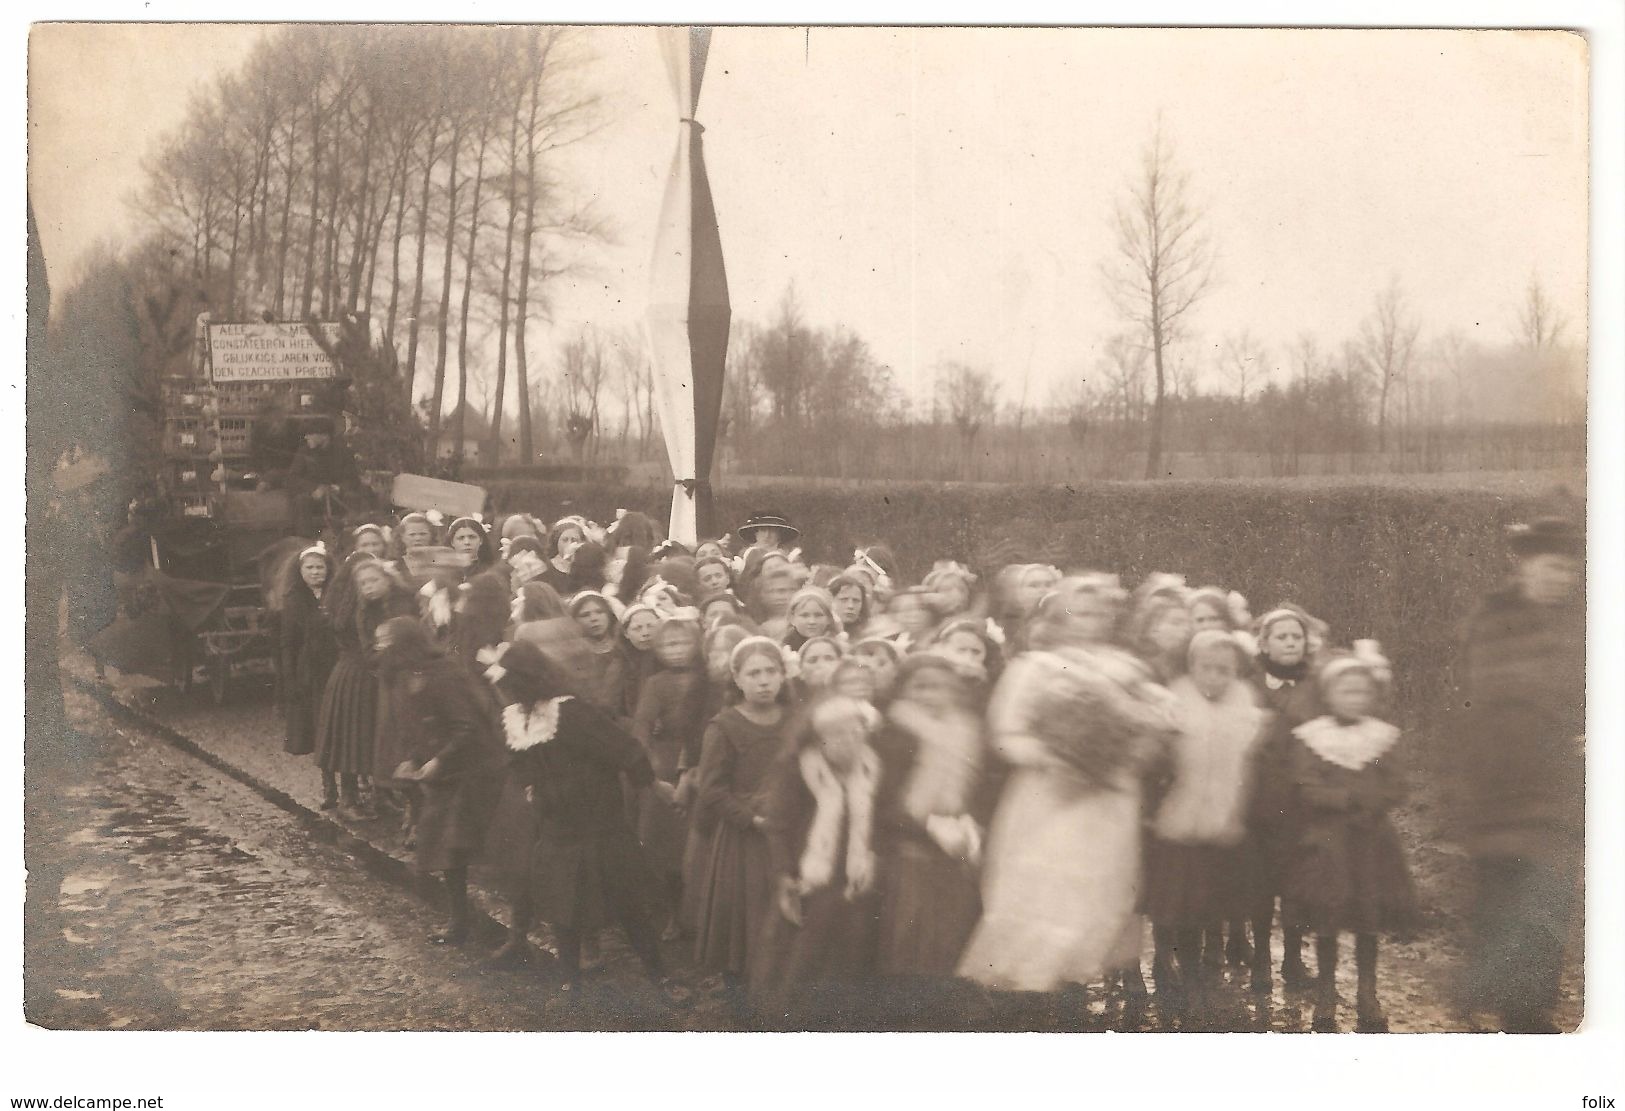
(475, 431)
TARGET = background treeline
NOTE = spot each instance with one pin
(410, 180)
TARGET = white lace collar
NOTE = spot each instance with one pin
(1350, 746)
(527, 727)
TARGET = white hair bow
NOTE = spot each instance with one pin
(436, 518)
(1369, 652)
(860, 558)
(492, 658)
(995, 632)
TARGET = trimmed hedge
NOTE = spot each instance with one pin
(1402, 564)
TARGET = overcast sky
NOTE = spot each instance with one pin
(946, 193)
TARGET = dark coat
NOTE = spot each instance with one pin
(930, 902)
(1273, 817)
(308, 652)
(801, 970)
(1347, 870)
(347, 724)
(587, 858)
(732, 877)
(669, 725)
(443, 716)
(1521, 736)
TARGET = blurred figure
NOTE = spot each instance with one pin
(1523, 775)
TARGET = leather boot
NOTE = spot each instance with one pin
(1369, 1016)
(1325, 1021)
(456, 931)
(516, 950)
(1294, 972)
(1236, 950)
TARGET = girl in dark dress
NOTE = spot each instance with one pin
(570, 757)
(366, 596)
(604, 681)
(928, 835)
(415, 532)
(369, 540)
(636, 644)
(1283, 686)
(562, 541)
(713, 575)
(670, 724)
(734, 889)
(971, 645)
(851, 597)
(454, 756)
(816, 951)
(811, 614)
(721, 609)
(814, 665)
(717, 656)
(308, 648)
(469, 538)
(1349, 872)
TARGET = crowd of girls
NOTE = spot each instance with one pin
(839, 790)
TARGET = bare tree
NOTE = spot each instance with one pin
(1388, 346)
(556, 115)
(585, 372)
(971, 397)
(1124, 368)
(1454, 353)
(490, 62)
(1540, 324)
(1162, 265)
(1242, 362)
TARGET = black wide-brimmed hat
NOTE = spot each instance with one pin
(1546, 536)
(767, 520)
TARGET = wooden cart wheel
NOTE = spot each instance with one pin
(219, 679)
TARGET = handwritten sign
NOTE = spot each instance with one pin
(269, 352)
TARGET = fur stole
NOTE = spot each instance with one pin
(849, 797)
(525, 727)
(1350, 746)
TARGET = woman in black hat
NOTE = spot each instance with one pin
(771, 532)
(1523, 764)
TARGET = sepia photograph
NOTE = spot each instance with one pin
(570, 527)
